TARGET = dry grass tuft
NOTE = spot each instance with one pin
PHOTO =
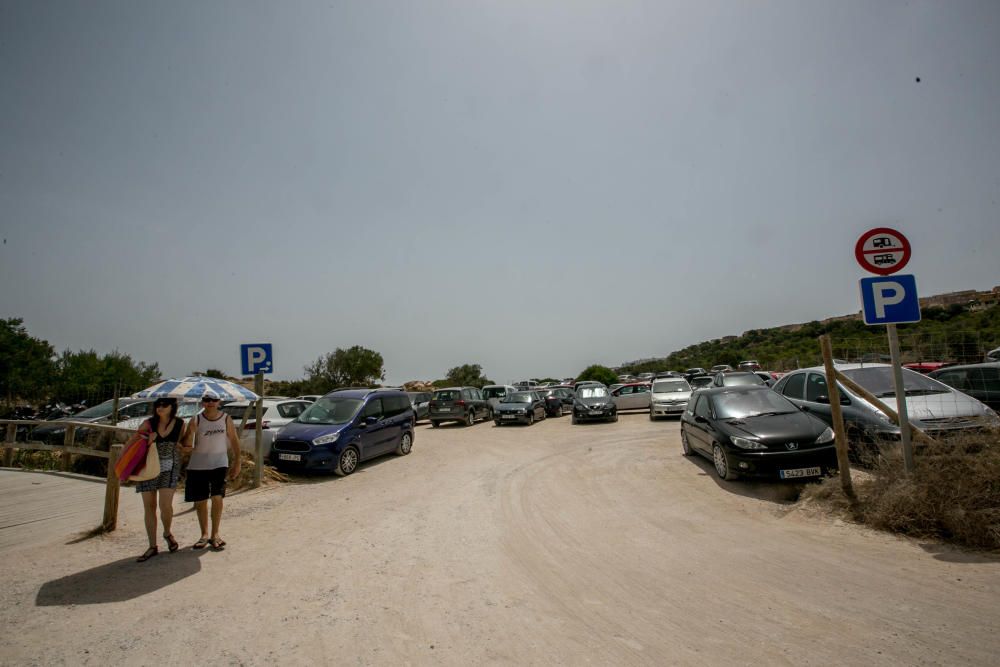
(953, 494)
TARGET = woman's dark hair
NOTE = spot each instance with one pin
(168, 400)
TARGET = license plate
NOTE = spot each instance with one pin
(800, 472)
(444, 409)
(508, 416)
(596, 412)
(290, 457)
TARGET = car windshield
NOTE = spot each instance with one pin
(330, 410)
(98, 411)
(747, 404)
(593, 391)
(878, 380)
(740, 379)
(670, 386)
(494, 392)
(518, 397)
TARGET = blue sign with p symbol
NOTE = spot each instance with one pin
(890, 299)
(256, 358)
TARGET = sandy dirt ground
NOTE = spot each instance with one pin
(551, 544)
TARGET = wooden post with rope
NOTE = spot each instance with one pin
(840, 435)
(8, 450)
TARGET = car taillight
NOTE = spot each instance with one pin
(460, 403)
(432, 404)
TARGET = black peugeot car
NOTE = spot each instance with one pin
(754, 432)
(593, 402)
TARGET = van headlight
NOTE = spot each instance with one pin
(825, 436)
(326, 439)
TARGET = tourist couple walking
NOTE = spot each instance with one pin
(208, 437)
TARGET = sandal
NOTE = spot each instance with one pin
(217, 544)
(201, 543)
(171, 542)
(149, 553)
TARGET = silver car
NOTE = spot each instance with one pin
(669, 397)
(932, 406)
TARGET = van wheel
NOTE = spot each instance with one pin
(348, 462)
(405, 445)
(470, 418)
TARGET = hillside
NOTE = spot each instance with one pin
(956, 333)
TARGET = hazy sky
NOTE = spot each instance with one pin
(532, 186)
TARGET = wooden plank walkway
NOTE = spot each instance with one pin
(38, 508)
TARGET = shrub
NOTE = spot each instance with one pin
(953, 494)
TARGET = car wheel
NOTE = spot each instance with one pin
(435, 423)
(496, 421)
(470, 418)
(405, 445)
(348, 462)
(531, 418)
(651, 417)
(685, 445)
(721, 462)
(573, 419)
(614, 416)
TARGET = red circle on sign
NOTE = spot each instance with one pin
(882, 250)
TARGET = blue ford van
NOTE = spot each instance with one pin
(344, 428)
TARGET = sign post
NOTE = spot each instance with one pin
(257, 359)
(890, 301)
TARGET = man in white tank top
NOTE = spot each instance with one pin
(209, 438)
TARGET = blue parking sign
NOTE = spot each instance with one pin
(890, 299)
(256, 358)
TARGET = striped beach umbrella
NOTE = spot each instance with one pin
(196, 387)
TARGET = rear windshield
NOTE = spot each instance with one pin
(447, 395)
(669, 386)
(102, 410)
(494, 392)
(737, 380)
(330, 410)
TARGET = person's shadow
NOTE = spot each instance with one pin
(121, 580)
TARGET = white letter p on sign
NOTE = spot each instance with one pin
(255, 355)
(887, 294)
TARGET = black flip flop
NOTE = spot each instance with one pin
(217, 544)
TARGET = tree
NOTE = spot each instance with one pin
(211, 373)
(88, 375)
(467, 375)
(598, 373)
(354, 367)
(26, 363)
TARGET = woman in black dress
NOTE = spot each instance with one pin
(165, 433)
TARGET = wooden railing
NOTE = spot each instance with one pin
(69, 449)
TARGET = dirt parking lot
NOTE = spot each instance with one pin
(550, 544)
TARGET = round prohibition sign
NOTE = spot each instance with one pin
(882, 251)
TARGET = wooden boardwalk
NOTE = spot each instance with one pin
(38, 508)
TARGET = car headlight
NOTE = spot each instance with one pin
(746, 443)
(992, 418)
(881, 416)
(326, 439)
(825, 436)
(522, 411)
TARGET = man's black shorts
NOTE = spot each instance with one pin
(201, 484)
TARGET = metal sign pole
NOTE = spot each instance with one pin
(258, 456)
(904, 417)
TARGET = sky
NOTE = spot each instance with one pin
(533, 186)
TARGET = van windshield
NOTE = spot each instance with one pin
(330, 410)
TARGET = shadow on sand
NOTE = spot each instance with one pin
(121, 580)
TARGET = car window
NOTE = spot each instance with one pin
(701, 409)
(373, 408)
(642, 389)
(984, 379)
(816, 387)
(955, 379)
(622, 391)
(794, 386)
(291, 410)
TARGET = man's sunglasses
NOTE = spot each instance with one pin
(209, 400)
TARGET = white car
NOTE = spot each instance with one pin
(276, 414)
(631, 396)
(669, 397)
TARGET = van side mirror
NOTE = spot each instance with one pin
(822, 399)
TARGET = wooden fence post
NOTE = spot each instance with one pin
(68, 442)
(111, 491)
(833, 391)
(8, 451)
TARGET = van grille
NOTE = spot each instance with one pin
(290, 446)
